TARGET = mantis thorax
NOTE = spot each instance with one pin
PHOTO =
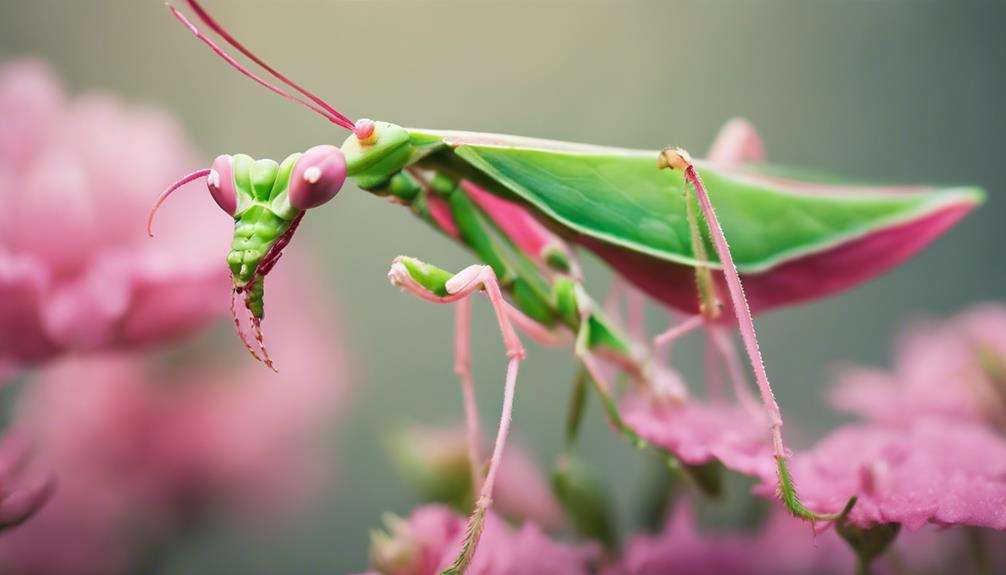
(372, 160)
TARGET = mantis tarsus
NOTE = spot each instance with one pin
(520, 204)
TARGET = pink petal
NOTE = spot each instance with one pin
(698, 433)
(84, 314)
(935, 471)
(23, 285)
(783, 546)
(51, 214)
(30, 101)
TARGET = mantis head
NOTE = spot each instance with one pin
(267, 199)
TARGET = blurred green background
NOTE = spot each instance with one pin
(905, 91)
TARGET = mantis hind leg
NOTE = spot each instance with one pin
(433, 285)
(676, 158)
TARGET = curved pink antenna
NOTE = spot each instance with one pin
(223, 33)
(164, 195)
(339, 120)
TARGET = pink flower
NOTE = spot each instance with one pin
(77, 272)
(19, 499)
(698, 432)
(784, 545)
(933, 471)
(145, 449)
(954, 368)
(427, 543)
(436, 460)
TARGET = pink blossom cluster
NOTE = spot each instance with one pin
(783, 545)
(931, 448)
(436, 461)
(143, 447)
(929, 454)
(77, 272)
(427, 542)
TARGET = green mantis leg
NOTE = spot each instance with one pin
(584, 349)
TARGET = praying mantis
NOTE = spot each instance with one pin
(523, 207)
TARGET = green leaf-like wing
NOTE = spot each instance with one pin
(620, 197)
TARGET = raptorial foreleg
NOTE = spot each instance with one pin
(434, 285)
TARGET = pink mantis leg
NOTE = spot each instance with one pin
(680, 159)
(736, 143)
(724, 346)
(463, 369)
(636, 307)
(544, 336)
(470, 280)
(678, 330)
(713, 369)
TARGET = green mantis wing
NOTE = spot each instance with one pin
(794, 237)
(619, 197)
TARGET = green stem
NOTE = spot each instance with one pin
(978, 551)
(577, 403)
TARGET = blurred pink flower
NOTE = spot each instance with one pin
(77, 271)
(933, 471)
(954, 368)
(144, 449)
(436, 460)
(699, 432)
(20, 498)
(427, 543)
(784, 545)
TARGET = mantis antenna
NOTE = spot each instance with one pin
(316, 105)
(223, 33)
(166, 193)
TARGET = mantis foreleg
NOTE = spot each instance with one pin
(463, 369)
(425, 282)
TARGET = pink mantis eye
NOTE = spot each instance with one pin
(220, 181)
(317, 177)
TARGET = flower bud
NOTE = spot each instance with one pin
(395, 551)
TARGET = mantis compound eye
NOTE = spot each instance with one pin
(220, 182)
(317, 177)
